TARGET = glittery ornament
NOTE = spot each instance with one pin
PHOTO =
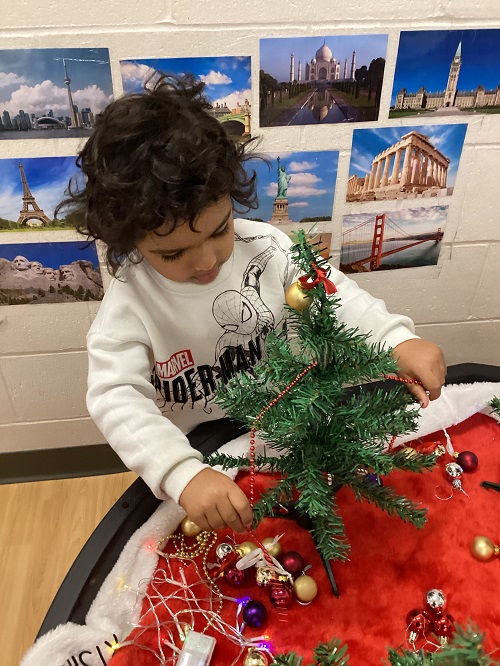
(223, 550)
(244, 548)
(292, 562)
(254, 614)
(255, 658)
(305, 588)
(190, 529)
(436, 600)
(409, 451)
(454, 470)
(263, 576)
(234, 576)
(468, 461)
(281, 595)
(484, 549)
(297, 298)
(274, 549)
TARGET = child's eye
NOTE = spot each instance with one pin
(223, 231)
(170, 257)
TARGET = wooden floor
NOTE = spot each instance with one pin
(43, 527)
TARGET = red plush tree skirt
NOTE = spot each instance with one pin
(392, 566)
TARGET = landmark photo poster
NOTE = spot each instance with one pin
(36, 273)
(31, 188)
(386, 240)
(447, 73)
(227, 82)
(404, 162)
(52, 93)
(314, 80)
(296, 189)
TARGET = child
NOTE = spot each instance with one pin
(195, 291)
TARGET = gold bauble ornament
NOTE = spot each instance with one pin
(409, 452)
(190, 529)
(305, 588)
(255, 658)
(297, 298)
(275, 550)
(244, 548)
(483, 548)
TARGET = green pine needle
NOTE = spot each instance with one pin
(464, 649)
(495, 403)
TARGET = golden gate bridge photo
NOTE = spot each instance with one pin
(367, 244)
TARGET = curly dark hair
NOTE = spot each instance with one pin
(156, 157)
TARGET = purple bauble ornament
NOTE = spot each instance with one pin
(373, 479)
(234, 576)
(468, 461)
(281, 595)
(292, 562)
(254, 614)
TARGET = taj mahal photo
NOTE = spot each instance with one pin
(447, 72)
(321, 80)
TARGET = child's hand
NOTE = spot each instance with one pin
(213, 501)
(422, 360)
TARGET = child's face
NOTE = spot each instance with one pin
(193, 256)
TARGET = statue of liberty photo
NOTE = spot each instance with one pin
(283, 180)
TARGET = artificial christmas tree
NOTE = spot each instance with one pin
(326, 433)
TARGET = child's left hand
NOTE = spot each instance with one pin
(424, 361)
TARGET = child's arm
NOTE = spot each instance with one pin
(121, 400)
(424, 361)
(212, 501)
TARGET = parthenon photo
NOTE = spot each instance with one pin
(411, 167)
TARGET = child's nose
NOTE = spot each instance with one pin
(205, 259)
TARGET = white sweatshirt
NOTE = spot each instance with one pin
(158, 349)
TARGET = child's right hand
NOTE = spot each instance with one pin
(213, 501)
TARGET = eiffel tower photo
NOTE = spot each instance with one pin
(30, 210)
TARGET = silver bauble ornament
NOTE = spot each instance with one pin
(436, 600)
(223, 550)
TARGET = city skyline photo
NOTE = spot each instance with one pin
(36, 86)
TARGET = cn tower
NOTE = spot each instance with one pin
(67, 81)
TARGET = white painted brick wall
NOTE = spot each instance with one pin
(456, 303)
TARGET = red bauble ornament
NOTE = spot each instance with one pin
(468, 461)
(292, 562)
(281, 595)
(234, 576)
(417, 621)
(443, 626)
